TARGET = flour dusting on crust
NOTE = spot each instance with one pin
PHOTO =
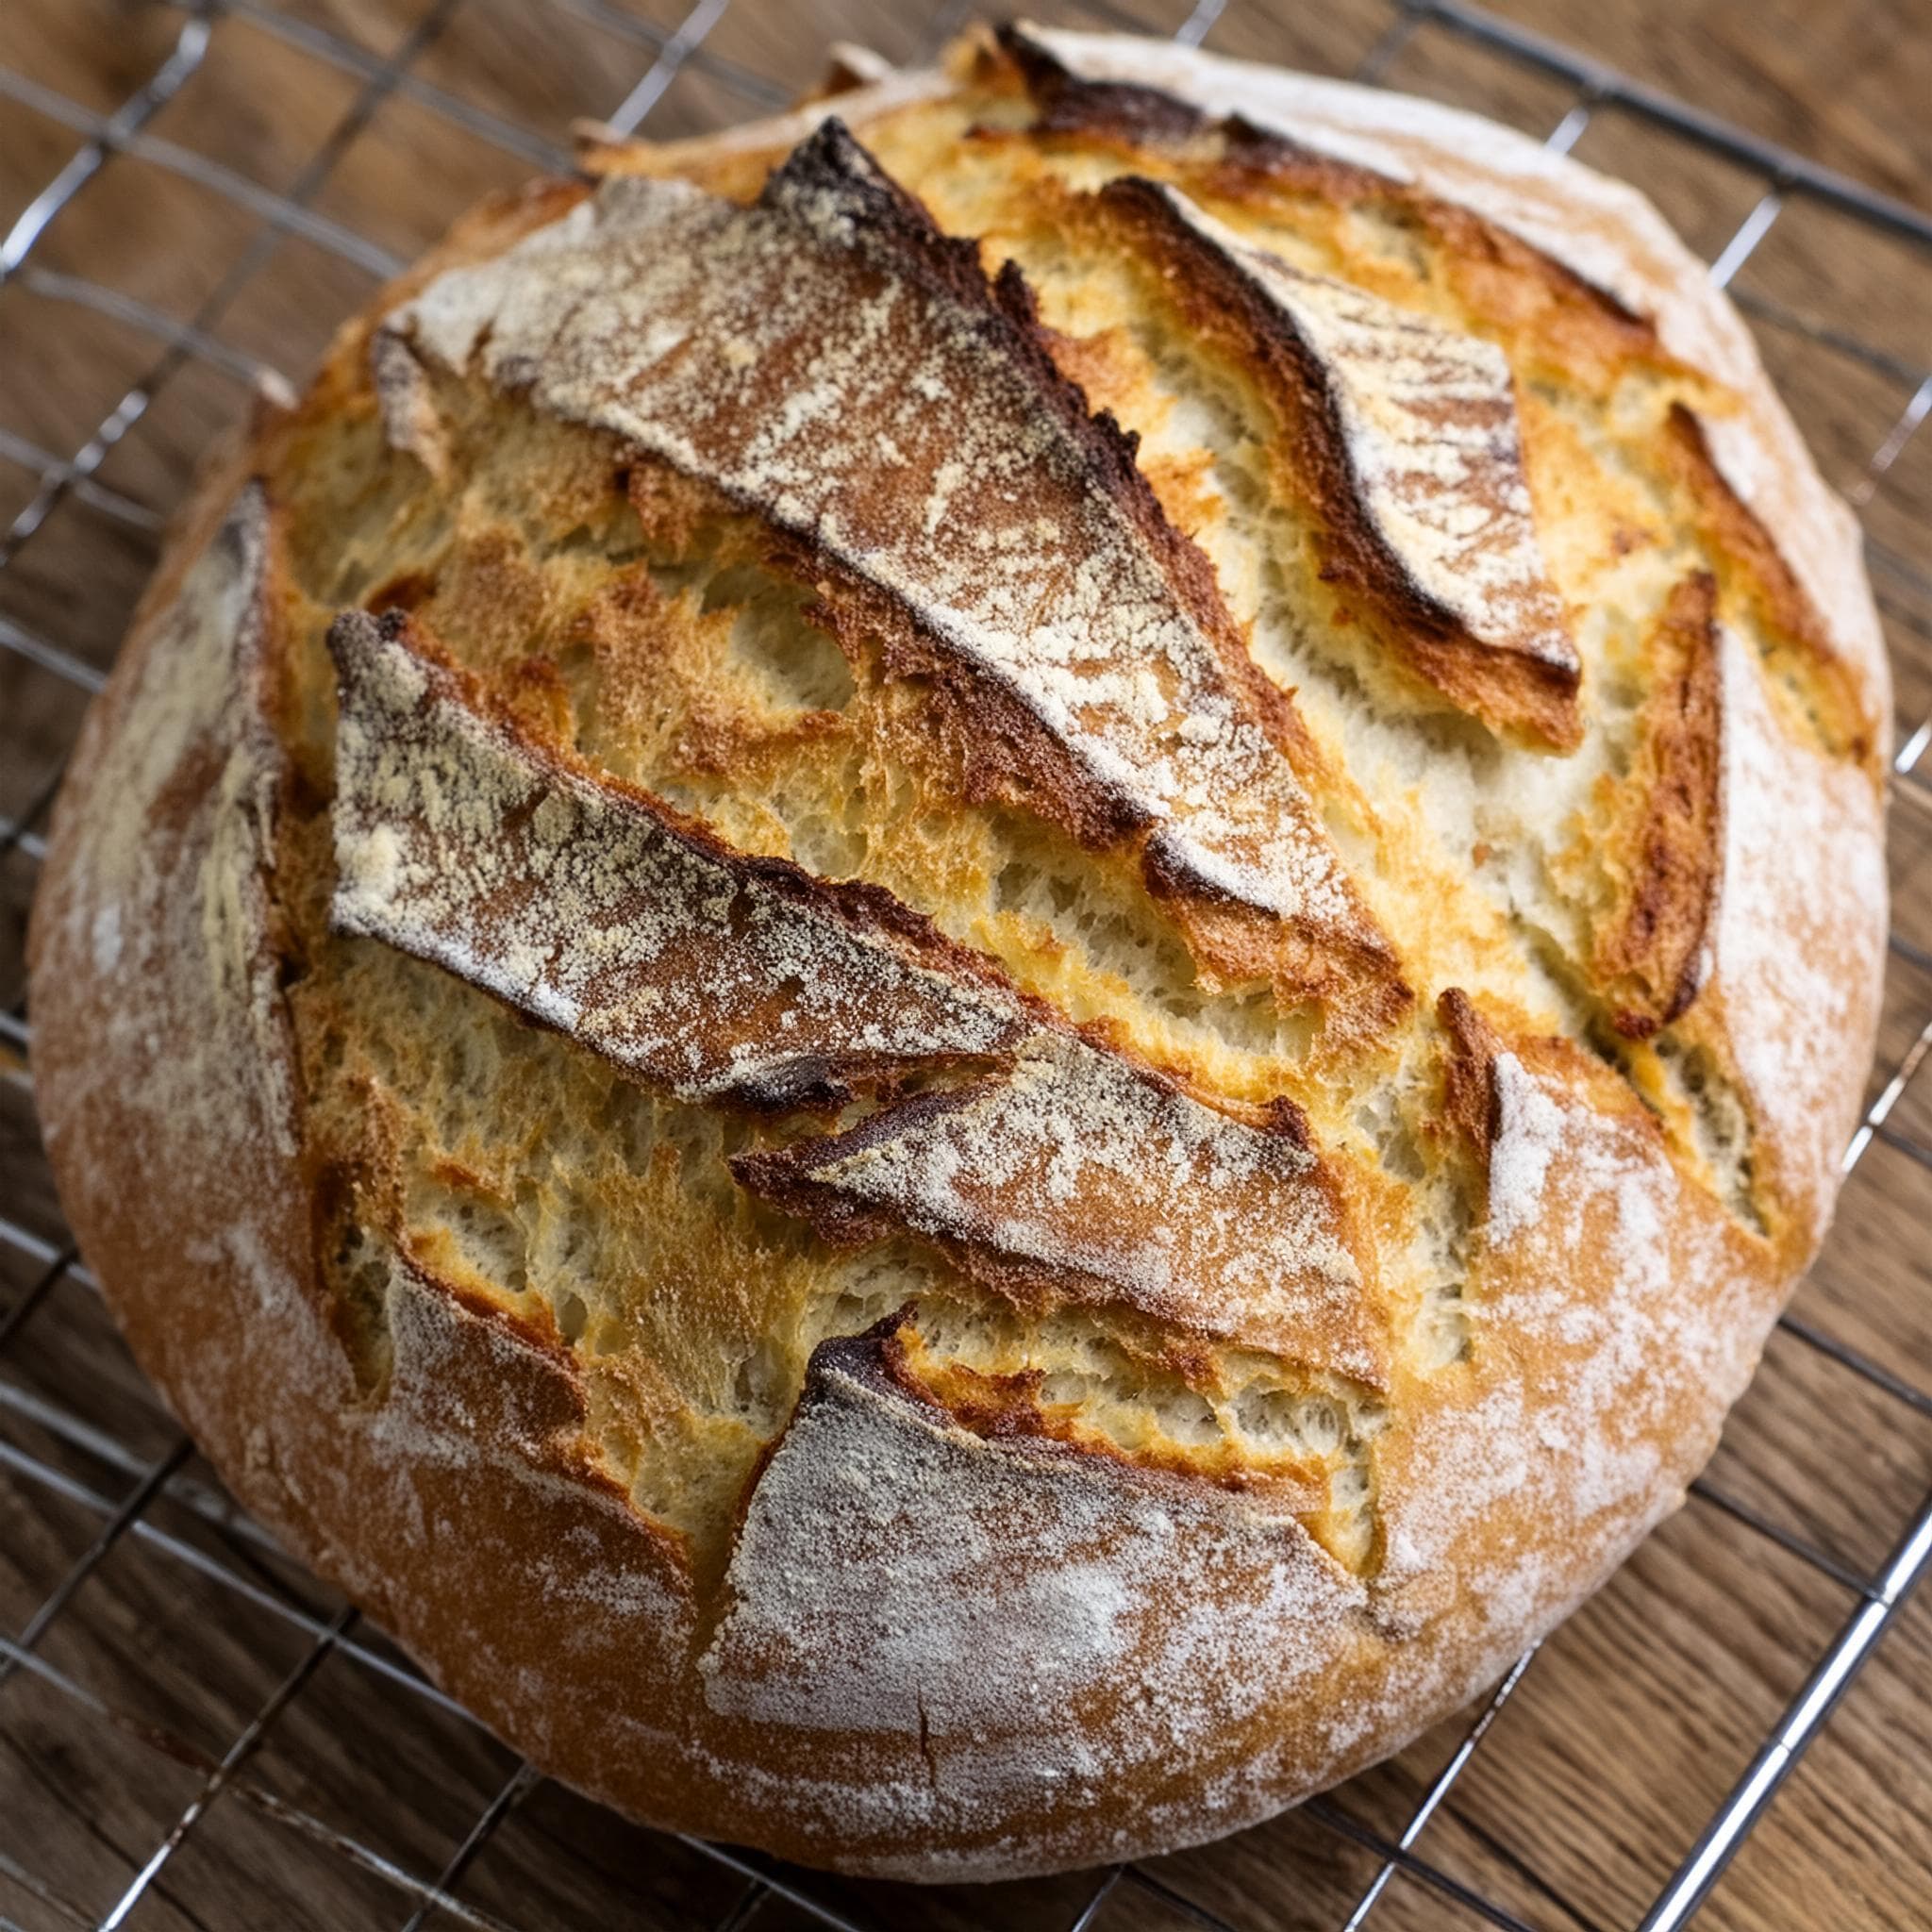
(1530, 1135)
(588, 909)
(895, 1575)
(1494, 1496)
(1799, 939)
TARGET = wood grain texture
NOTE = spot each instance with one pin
(1639, 1713)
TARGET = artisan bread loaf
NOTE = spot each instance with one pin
(969, 972)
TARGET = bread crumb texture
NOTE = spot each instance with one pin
(970, 971)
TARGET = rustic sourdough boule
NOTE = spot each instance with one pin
(968, 971)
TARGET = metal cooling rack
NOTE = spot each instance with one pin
(156, 1498)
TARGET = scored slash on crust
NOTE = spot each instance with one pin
(927, 444)
(591, 908)
(597, 910)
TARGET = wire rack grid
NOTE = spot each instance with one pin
(89, 1446)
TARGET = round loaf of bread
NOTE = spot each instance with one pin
(969, 972)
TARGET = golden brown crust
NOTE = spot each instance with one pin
(1045, 1511)
(1468, 1101)
(1577, 325)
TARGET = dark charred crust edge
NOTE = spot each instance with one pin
(1136, 115)
(832, 166)
(830, 175)
(831, 162)
(1508, 689)
(1470, 1106)
(1647, 960)
(874, 1364)
(1069, 105)
(1749, 555)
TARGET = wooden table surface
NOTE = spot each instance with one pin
(382, 118)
